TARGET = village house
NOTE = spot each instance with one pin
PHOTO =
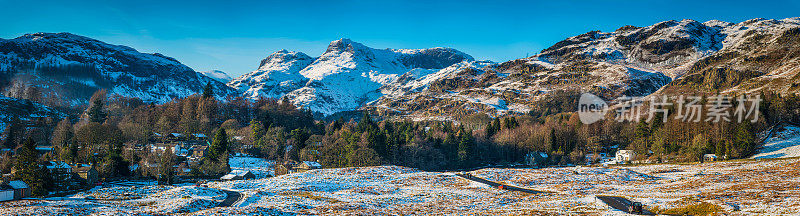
(282, 169)
(293, 167)
(19, 189)
(625, 156)
(87, 173)
(238, 175)
(199, 151)
(175, 137)
(44, 149)
(307, 165)
(199, 136)
(59, 170)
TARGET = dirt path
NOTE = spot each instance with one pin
(497, 185)
(233, 196)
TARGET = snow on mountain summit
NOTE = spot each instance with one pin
(217, 75)
(348, 75)
(277, 75)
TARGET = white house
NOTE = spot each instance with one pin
(624, 156)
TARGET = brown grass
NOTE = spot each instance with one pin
(308, 195)
(697, 209)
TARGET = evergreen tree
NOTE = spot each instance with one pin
(113, 163)
(72, 154)
(465, 148)
(642, 130)
(720, 149)
(96, 113)
(28, 170)
(496, 124)
(219, 145)
(699, 146)
(208, 90)
(744, 140)
(258, 130)
(490, 129)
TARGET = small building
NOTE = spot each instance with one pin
(238, 175)
(283, 169)
(6, 192)
(199, 151)
(59, 170)
(87, 173)
(308, 165)
(21, 189)
(536, 159)
(199, 136)
(625, 156)
(44, 149)
(176, 137)
(710, 157)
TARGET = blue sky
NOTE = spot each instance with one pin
(233, 36)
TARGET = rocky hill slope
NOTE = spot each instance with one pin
(65, 69)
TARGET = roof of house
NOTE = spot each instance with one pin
(199, 135)
(18, 184)
(625, 152)
(235, 173)
(57, 165)
(312, 164)
(44, 148)
(82, 169)
(176, 134)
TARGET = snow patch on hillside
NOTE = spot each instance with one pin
(783, 144)
(217, 75)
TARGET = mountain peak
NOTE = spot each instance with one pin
(344, 45)
(281, 56)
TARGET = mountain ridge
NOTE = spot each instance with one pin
(68, 68)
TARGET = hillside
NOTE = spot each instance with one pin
(64, 69)
(685, 57)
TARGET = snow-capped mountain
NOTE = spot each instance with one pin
(345, 77)
(668, 57)
(683, 57)
(217, 75)
(68, 68)
(277, 75)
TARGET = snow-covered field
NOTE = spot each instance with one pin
(754, 187)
